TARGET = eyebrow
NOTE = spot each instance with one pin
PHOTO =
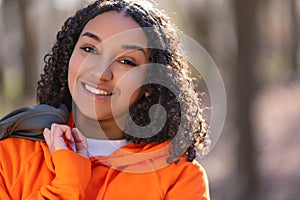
(91, 35)
(126, 47)
(134, 47)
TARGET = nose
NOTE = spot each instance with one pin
(102, 70)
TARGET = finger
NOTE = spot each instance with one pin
(69, 137)
(68, 133)
(54, 132)
(59, 129)
(80, 142)
(62, 131)
(48, 138)
(57, 140)
(47, 135)
(78, 136)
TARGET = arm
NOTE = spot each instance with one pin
(72, 167)
(72, 174)
(25, 174)
(3, 190)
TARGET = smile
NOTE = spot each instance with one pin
(96, 91)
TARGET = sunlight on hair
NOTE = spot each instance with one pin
(148, 5)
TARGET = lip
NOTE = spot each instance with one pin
(101, 96)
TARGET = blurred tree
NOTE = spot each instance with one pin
(10, 46)
(247, 37)
(19, 50)
(1, 78)
(28, 49)
(198, 18)
(1, 57)
(295, 38)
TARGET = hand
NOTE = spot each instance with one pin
(60, 136)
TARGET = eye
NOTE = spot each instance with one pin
(89, 50)
(127, 62)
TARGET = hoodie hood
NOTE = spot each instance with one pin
(138, 158)
(135, 158)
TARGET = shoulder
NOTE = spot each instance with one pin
(186, 178)
(185, 169)
(16, 144)
(18, 150)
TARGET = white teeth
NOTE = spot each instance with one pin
(96, 91)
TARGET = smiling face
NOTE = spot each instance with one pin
(104, 53)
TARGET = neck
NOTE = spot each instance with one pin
(97, 129)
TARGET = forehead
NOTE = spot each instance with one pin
(116, 25)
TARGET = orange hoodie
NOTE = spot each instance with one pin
(28, 171)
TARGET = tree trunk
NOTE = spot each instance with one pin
(28, 50)
(295, 38)
(247, 37)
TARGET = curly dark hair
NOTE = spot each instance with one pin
(185, 125)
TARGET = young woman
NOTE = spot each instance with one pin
(113, 146)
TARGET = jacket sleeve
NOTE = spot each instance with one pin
(72, 174)
(3, 191)
(191, 183)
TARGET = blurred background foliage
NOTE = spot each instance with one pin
(255, 44)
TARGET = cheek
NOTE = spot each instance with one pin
(134, 86)
(74, 66)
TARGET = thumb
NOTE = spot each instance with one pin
(80, 143)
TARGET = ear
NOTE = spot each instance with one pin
(147, 94)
